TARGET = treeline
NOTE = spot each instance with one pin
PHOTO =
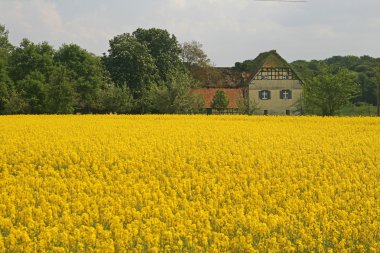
(142, 72)
(366, 72)
(339, 82)
(148, 71)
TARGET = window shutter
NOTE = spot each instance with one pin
(281, 94)
(261, 94)
(269, 94)
(290, 94)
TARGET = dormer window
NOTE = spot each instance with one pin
(264, 94)
(286, 94)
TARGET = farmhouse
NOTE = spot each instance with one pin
(268, 83)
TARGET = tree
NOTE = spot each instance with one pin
(4, 41)
(116, 99)
(163, 47)
(220, 100)
(6, 84)
(33, 91)
(193, 54)
(130, 63)
(30, 57)
(198, 64)
(85, 71)
(326, 93)
(5, 88)
(174, 95)
(61, 92)
(30, 66)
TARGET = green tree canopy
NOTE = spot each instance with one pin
(61, 98)
(85, 71)
(326, 93)
(163, 47)
(115, 99)
(6, 84)
(4, 41)
(365, 66)
(173, 95)
(33, 90)
(130, 63)
(30, 57)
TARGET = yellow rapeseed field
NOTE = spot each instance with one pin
(189, 184)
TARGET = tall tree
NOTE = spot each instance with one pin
(6, 84)
(193, 54)
(198, 64)
(85, 71)
(327, 93)
(130, 63)
(33, 90)
(4, 41)
(61, 92)
(29, 57)
(163, 47)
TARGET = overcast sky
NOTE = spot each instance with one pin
(230, 30)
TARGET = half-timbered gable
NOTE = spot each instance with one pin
(275, 86)
(270, 83)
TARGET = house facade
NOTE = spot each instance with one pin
(274, 86)
(269, 84)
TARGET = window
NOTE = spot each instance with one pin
(265, 112)
(287, 112)
(264, 94)
(286, 94)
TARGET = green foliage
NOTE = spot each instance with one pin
(220, 100)
(61, 92)
(130, 63)
(85, 70)
(30, 57)
(15, 104)
(173, 95)
(115, 99)
(33, 91)
(163, 47)
(4, 41)
(326, 93)
(366, 68)
(6, 84)
(359, 109)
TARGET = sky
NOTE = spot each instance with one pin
(229, 30)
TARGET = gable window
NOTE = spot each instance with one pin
(286, 94)
(264, 94)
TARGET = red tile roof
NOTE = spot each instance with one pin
(234, 95)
